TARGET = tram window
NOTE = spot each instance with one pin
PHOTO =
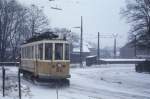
(32, 52)
(22, 52)
(66, 52)
(48, 51)
(40, 51)
(29, 52)
(58, 51)
(25, 52)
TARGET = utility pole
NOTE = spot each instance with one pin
(135, 46)
(33, 26)
(98, 48)
(115, 47)
(19, 83)
(3, 82)
(81, 43)
(115, 37)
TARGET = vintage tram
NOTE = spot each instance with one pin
(45, 57)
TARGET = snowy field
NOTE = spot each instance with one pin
(97, 82)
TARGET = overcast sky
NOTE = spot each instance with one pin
(98, 16)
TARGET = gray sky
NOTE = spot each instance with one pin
(98, 16)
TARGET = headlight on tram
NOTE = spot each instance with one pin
(59, 65)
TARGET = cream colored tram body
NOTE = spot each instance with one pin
(47, 58)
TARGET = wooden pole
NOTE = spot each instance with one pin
(98, 48)
(57, 88)
(19, 84)
(3, 71)
(135, 47)
(81, 44)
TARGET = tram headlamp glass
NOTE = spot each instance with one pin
(59, 65)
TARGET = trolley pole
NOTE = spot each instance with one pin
(98, 48)
(81, 44)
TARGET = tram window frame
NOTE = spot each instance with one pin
(59, 51)
(67, 52)
(48, 51)
(40, 51)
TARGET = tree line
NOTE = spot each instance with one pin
(137, 13)
(18, 23)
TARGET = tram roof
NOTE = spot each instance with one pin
(42, 36)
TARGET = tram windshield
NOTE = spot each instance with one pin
(40, 54)
(66, 51)
(48, 51)
(58, 51)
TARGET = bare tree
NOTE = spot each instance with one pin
(9, 23)
(67, 34)
(137, 13)
(17, 23)
(19, 29)
(37, 20)
(72, 37)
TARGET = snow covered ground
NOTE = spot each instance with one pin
(97, 82)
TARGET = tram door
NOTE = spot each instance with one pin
(49, 56)
(59, 58)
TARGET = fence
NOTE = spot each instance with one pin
(90, 60)
(4, 64)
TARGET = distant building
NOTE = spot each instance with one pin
(104, 52)
(75, 53)
(128, 51)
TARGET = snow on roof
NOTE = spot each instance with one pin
(91, 56)
(85, 48)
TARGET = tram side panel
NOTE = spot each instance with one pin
(52, 70)
(27, 65)
(60, 69)
(46, 69)
(42, 68)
